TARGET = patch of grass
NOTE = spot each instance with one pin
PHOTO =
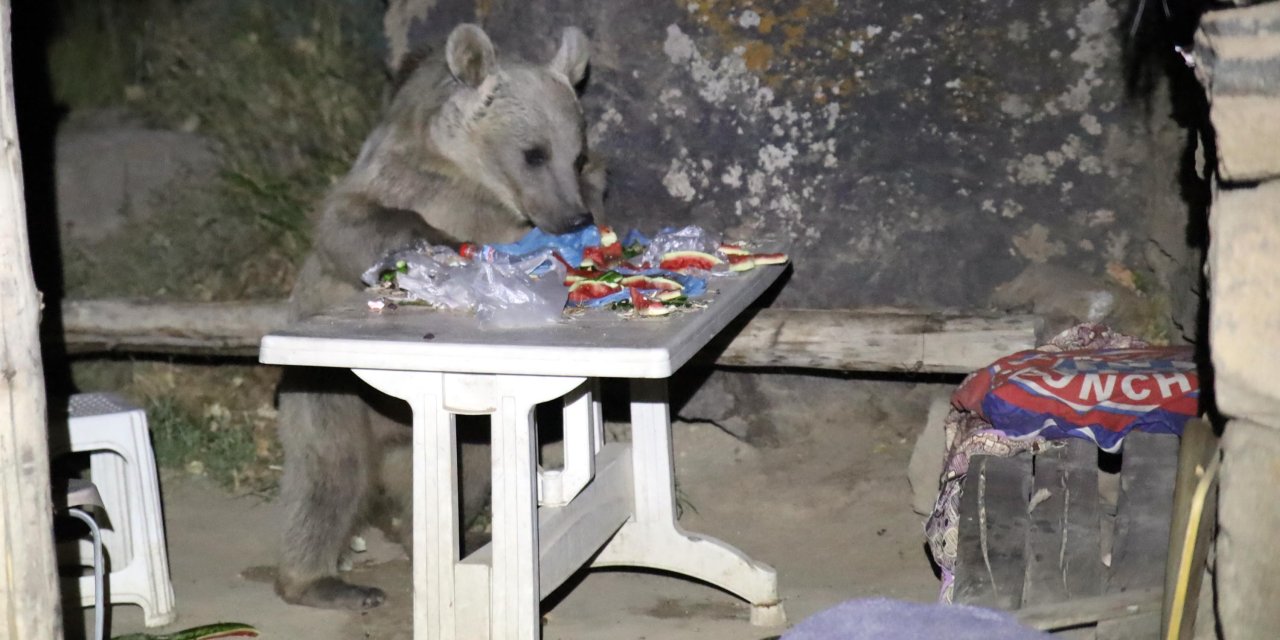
(285, 89)
(205, 419)
(94, 37)
(218, 448)
(228, 447)
(186, 250)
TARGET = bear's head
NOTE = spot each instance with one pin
(517, 128)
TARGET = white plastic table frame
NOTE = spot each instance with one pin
(611, 504)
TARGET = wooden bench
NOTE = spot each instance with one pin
(874, 339)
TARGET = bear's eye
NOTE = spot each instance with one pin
(535, 157)
(580, 162)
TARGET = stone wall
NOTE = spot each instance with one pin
(1238, 56)
(968, 154)
(912, 153)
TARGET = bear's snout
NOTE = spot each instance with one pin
(581, 220)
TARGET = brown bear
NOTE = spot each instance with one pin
(471, 148)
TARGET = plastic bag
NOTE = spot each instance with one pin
(426, 273)
(690, 238)
(569, 245)
(508, 296)
(501, 291)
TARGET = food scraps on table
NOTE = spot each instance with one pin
(634, 275)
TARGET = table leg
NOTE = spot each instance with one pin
(653, 538)
(513, 611)
(558, 487)
(436, 544)
(514, 593)
(597, 415)
(515, 597)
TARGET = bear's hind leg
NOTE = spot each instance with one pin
(328, 475)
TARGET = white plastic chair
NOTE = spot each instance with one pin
(80, 497)
(122, 465)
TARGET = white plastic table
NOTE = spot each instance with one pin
(611, 505)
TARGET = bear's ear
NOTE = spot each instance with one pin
(571, 59)
(469, 54)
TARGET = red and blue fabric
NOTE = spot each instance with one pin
(1098, 394)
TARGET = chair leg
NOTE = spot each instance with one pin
(99, 573)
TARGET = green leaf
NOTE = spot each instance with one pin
(632, 251)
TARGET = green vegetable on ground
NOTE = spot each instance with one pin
(215, 631)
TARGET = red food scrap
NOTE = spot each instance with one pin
(647, 307)
(686, 260)
(584, 290)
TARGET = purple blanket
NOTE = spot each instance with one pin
(887, 619)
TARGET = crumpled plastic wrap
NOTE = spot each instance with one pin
(523, 283)
(501, 291)
(690, 238)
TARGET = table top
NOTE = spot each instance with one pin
(598, 344)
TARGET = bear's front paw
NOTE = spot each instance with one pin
(332, 593)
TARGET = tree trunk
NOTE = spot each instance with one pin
(29, 598)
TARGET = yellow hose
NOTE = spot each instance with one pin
(1188, 548)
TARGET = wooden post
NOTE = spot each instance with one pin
(29, 595)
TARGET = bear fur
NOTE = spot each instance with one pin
(471, 148)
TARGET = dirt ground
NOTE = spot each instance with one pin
(829, 508)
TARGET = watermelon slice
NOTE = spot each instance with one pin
(683, 260)
(749, 261)
(607, 236)
(612, 252)
(584, 290)
(651, 282)
(741, 262)
(647, 307)
(592, 257)
(769, 258)
(669, 296)
(608, 252)
(206, 632)
(733, 249)
(574, 275)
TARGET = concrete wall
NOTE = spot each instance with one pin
(913, 153)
